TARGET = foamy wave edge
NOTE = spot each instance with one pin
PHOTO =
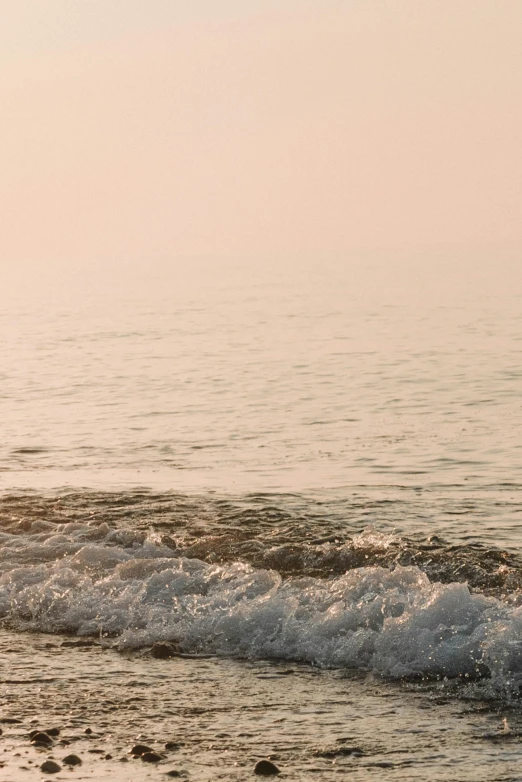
(135, 591)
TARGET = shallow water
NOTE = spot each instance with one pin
(222, 716)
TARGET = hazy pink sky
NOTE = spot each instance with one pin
(166, 128)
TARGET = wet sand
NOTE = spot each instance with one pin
(215, 718)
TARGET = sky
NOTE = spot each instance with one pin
(253, 128)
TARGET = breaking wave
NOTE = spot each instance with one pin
(133, 588)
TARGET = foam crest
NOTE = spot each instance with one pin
(133, 590)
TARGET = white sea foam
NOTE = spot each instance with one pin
(91, 579)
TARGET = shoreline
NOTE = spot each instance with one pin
(215, 718)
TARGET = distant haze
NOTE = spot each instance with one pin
(168, 128)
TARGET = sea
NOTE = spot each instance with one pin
(298, 480)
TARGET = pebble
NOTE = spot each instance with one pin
(164, 649)
(174, 773)
(72, 760)
(38, 737)
(52, 731)
(172, 745)
(140, 749)
(151, 757)
(50, 767)
(266, 768)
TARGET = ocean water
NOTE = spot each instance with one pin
(312, 463)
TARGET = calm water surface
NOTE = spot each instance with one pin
(399, 382)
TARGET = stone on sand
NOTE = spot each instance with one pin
(72, 760)
(266, 768)
(140, 749)
(50, 767)
(39, 737)
(52, 731)
(151, 757)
